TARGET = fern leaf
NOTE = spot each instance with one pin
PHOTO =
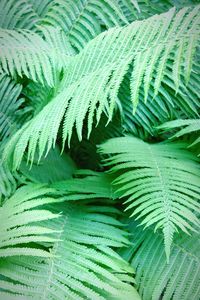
(24, 52)
(160, 181)
(83, 265)
(189, 126)
(18, 215)
(156, 279)
(7, 180)
(52, 168)
(86, 184)
(40, 7)
(12, 115)
(158, 109)
(82, 21)
(17, 14)
(93, 80)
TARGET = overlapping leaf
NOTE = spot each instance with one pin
(93, 78)
(18, 215)
(83, 265)
(179, 279)
(161, 182)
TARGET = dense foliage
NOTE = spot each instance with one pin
(99, 140)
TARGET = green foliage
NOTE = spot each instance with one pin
(12, 114)
(18, 215)
(179, 279)
(82, 264)
(7, 182)
(17, 14)
(189, 127)
(99, 113)
(50, 169)
(24, 52)
(82, 20)
(160, 181)
(77, 97)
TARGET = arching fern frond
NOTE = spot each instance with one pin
(24, 52)
(179, 279)
(18, 215)
(83, 265)
(40, 7)
(147, 8)
(189, 126)
(86, 184)
(52, 168)
(159, 109)
(92, 80)
(57, 40)
(10, 102)
(82, 20)
(160, 181)
(17, 14)
(7, 180)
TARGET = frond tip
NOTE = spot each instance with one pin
(161, 182)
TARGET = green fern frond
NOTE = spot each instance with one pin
(50, 169)
(82, 21)
(161, 182)
(83, 265)
(57, 40)
(37, 96)
(147, 8)
(159, 109)
(18, 215)
(17, 14)
(86, 184)
(9, 106)
(189, 126)
(40, 7)
(179, 279)
(24, 52)
(93, 78)
(85, 153)
(7, 180)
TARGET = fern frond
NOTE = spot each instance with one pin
(147, 8)
(50, 169)
(83, 265)
(161, 182)
(189, 126)
(179, 279)
(85, 153)
(17, 14)
(81, 21)
(40, 7)
(37, 96)
(86, 184)
(24, 52)
(159, 109)
(92, 81)
(12, 115)
(57, 40)
(7, 180)
(18, 215)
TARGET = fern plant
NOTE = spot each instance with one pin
(162, 190)
(99, 158)
(155, 278)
